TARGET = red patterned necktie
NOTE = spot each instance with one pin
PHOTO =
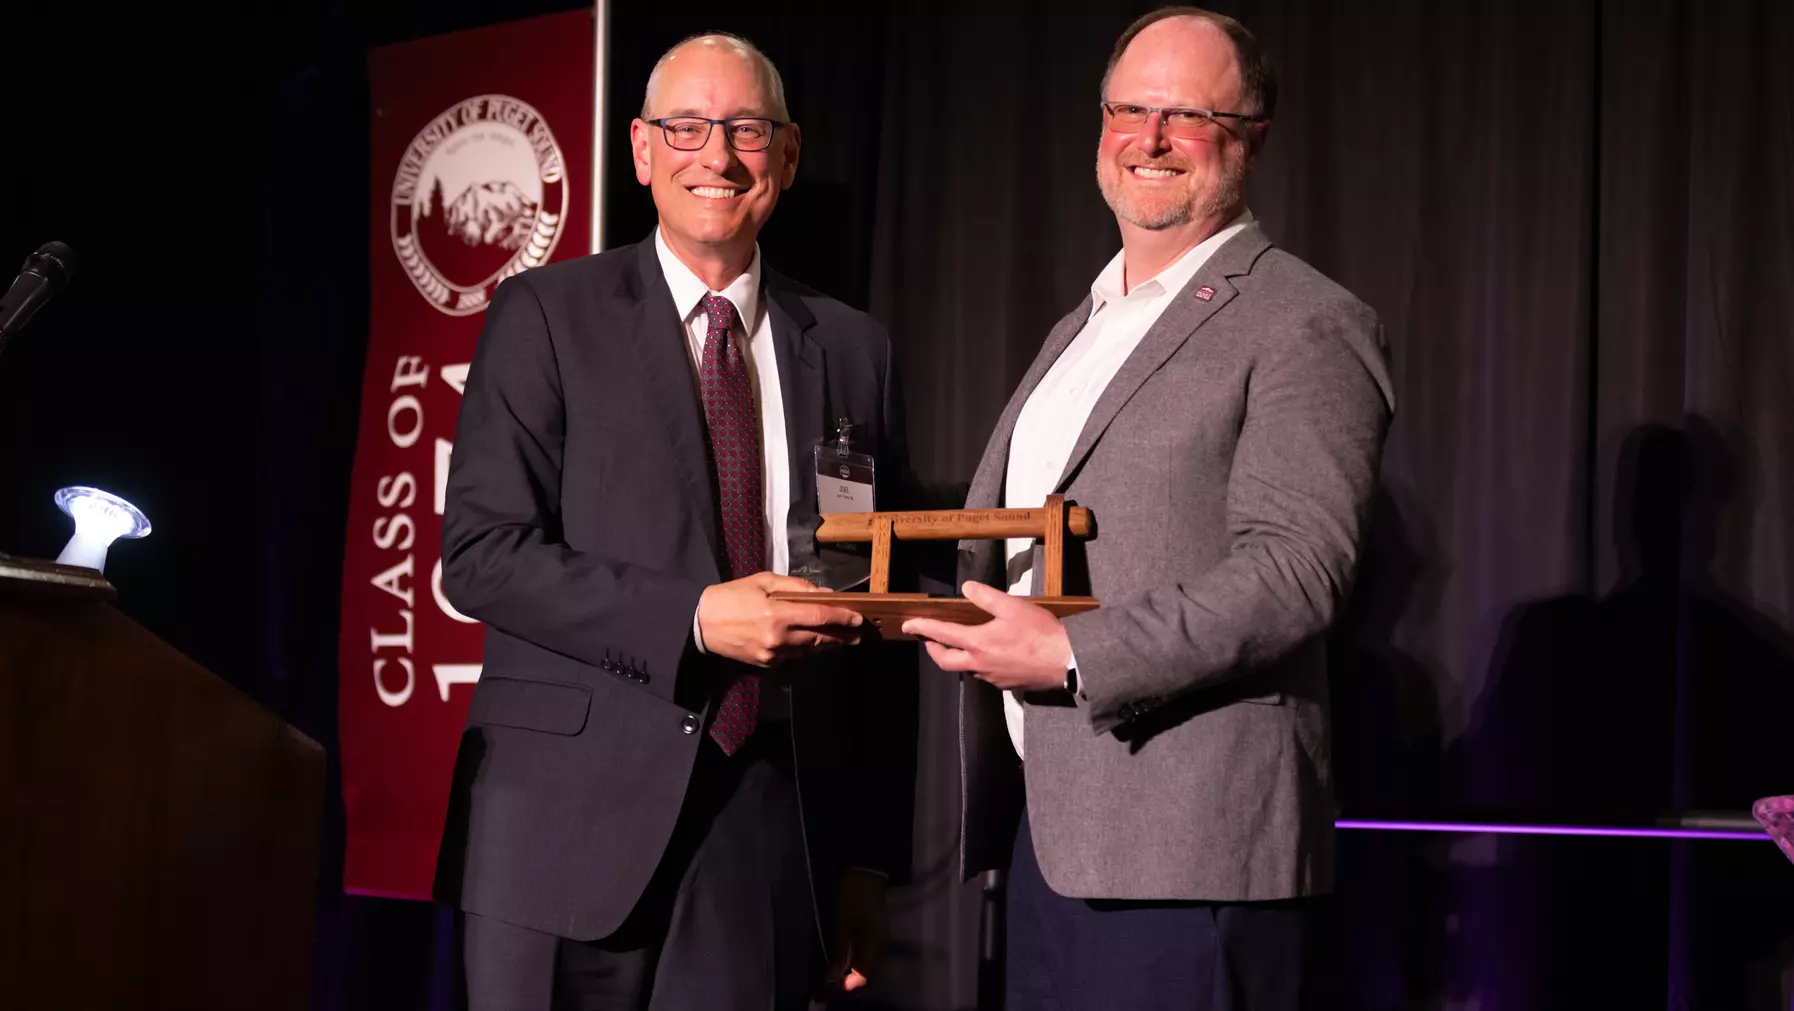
(735, 450)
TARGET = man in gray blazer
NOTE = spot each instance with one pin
(1221, 407)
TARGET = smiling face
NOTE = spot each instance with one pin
(712, 201)
(1152, 180)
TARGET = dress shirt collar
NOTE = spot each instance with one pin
(689, 289)
(1108, 287)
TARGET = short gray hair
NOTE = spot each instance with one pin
(775, 85)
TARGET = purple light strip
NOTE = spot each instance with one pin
(1623, 833)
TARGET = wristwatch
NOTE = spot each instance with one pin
(1071, 679)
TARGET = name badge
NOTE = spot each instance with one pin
(844, 476)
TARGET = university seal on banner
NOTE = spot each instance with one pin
(481, 194)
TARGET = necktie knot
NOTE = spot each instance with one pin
(721, 313)
(721, 350)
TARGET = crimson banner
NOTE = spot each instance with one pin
(482, 150)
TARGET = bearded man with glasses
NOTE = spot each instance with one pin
(1154, 774)
(663, 800)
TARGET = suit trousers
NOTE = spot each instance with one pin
(1066, 954)
(727, 921)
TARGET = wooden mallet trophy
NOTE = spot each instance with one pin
(1051, 523)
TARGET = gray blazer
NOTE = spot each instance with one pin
(1230, 464)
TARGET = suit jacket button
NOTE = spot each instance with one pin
(641, 676)
(689, 724)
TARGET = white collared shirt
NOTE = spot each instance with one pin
(689, 292)
(1056, 411)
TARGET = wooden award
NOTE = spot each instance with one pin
(1051, 523)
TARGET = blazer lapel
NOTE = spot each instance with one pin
(979, 558)
(659, 343)
(803, 393)
(1181, 319)
(987, 483)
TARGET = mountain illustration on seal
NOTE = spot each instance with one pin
(471, 237)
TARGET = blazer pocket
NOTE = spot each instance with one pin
(554, 707)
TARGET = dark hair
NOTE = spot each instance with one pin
(1258, 77)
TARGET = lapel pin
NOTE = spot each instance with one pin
(1205, 293)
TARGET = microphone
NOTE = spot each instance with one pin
(44, 274)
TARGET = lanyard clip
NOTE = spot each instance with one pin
(843, 436)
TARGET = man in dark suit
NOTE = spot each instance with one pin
(1155, 774)
(644, 814)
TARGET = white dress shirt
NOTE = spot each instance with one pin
(689, 292)
(1056, 411)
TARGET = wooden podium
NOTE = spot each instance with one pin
(1050, 524)
(158, 829)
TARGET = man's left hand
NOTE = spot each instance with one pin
(1023, 647)
(862, 930)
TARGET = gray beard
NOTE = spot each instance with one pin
(1225, 196)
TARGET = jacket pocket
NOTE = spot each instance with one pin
(554, 707)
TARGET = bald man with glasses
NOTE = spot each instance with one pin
(667, 796)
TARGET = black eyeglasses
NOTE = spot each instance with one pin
(743, 133)
(1126, 117)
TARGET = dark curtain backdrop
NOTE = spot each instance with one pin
(1576, 221)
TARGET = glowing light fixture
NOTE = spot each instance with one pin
(100, 518)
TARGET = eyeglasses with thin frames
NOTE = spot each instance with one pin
(743, 133)
(1126, 117)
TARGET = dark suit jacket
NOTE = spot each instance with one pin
(581, 527)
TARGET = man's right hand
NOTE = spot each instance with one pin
(739, 621)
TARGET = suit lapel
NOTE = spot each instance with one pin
(659, 343)
(1180, 320)
(980, 558)
(802, 389)
(987, 484)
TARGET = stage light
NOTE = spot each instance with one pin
(100, 518)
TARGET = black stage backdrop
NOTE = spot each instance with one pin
(1576, 220)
